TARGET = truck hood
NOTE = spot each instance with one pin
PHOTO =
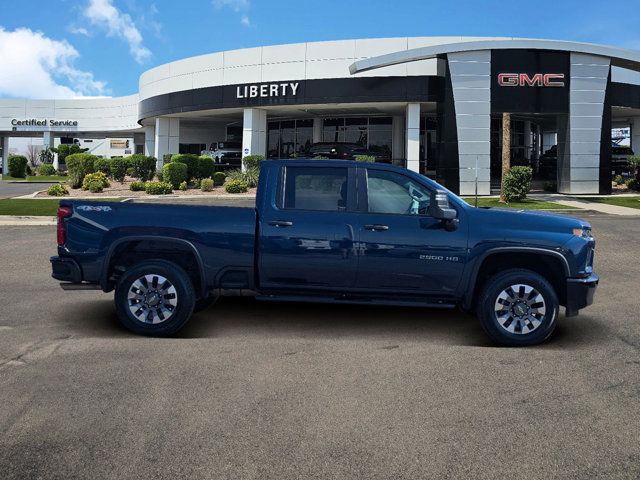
(544, 221)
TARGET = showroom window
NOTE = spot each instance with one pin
(289, 138)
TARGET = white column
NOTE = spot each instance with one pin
(150, 141)
(166, 138)
(254, 132)
(412, 137)
(397, 138)
(5, 155)
(317, 130)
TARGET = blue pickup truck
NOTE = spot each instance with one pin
(331, 231)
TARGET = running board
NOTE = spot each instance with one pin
(354, 301)
(80, 286)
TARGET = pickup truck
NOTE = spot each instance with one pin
(332, 231)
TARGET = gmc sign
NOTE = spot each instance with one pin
(537, 80)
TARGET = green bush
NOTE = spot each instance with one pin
(219, 178)
(166, 158)
(191, 161)
(143, 167)
(365, 158)
(617, 179)
(79, 165)
(252, 161)
(30, 172)
(634, 164)
(250, 176)
(158, 188)
(98, 178)
(183, 186)
(94, 186)
(119, 167)
(103, 165)
(160, 175)
(66, 150)
(236, 186)
(17, 166)
(137, 186)
(205, 166)
(174, 173)
(57, 190)
(632, 184)
(517, 183)
(206, 184)
(46, 169)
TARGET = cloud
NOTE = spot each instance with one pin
(35, 66)
(238, 6)
(78, 30)
(103, 14)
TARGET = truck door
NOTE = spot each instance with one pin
(307, 230)
(402, 249)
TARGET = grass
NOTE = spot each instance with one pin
(38, 178)
(36, 207)
(527, 204)
(631, 202)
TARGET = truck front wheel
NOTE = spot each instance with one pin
(518, 308)
(154, 298)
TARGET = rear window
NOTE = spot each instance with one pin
(315, 188)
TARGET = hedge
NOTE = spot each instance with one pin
(46, 169)
(174, 173)
(78, 166)
(18, 166)
(143, 167)
(235, 186)
(205, 166)
(119, 167)
(191, 161)
(137, 186)
(252, 161)
(102, 165)
(158, 188)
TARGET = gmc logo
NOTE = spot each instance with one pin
(537, 80)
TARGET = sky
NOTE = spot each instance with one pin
(67, 49)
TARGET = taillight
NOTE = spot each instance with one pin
(63, 212)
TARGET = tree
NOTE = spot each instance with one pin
(46, 155)
(33, 154)
(506, 151)
(65, 150)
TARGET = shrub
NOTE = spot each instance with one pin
(79, 165)
(191, 161)
(160, 175)
(236, 186)
(137, 186)
(57, 190)
(143, 167)
(183, 186)
(29, 171)
(46, 169)
(252, 161)
(98, 178)
(206, 184)
(158, 188)
(94, 186)
(251, 176)
(632, 184)
(205, 166)
(119, 167)
(174, 173)
(617, 179)
(365, 158)
(517, 183)
(219, 178)
(66, 150)
(17, 166)
(634, 166)
(166, 158)
(102, 165)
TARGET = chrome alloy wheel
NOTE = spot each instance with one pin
(520, 309)
(152, 299)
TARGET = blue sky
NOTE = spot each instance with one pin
(65, 48)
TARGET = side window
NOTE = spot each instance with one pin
(391, 192)
(315, 188)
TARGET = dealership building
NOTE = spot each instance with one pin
(431, 104)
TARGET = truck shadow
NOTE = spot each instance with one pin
(246, 317)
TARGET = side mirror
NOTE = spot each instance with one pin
(440, 208)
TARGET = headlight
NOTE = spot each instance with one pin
(584, 232)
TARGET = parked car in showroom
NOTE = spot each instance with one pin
(331, 231)
(225, 153)
(344, 151)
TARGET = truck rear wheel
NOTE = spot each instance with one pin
(518, 308)
(154, 298)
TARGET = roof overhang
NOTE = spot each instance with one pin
(620, 57)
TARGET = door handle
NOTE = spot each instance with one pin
(281, 223)
(377, 227)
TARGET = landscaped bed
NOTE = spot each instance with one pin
(619, 201)
(526, 204)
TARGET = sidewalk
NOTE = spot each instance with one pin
(583, 203)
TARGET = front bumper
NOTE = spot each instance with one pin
(65, 270)
(580, 292)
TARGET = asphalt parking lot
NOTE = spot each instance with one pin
(251, 390)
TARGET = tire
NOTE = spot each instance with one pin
(204, 303)
(518, 308)
(163, 294)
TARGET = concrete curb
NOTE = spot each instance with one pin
(24, 220)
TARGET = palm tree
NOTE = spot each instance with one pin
(506, 151)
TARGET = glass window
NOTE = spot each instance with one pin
(313, 188)
(391, 192)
